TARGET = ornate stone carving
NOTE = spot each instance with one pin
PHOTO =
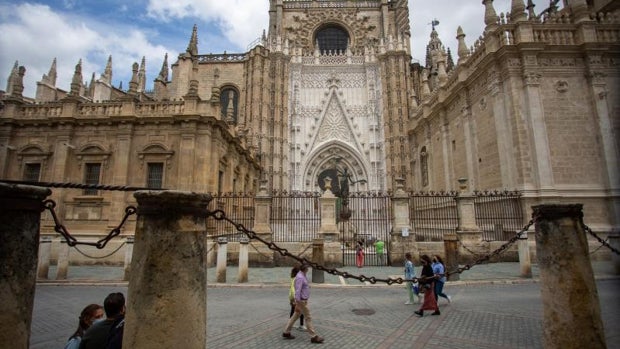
(561, 86)
(532, 78)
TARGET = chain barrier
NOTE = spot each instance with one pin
(72, 241)
(221, 216)
(98, 257)
(603, 242)
(78, 185)
(476, 255)
(497, 252)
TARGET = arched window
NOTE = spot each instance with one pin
(229, 101)
(332, 38)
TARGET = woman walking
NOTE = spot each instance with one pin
(427, 279)
(439, 269)
(291, 297)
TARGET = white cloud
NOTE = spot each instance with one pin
(36, 34)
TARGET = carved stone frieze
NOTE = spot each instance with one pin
(532, 78)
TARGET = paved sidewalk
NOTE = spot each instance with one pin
(492, 308)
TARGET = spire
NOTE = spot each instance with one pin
(50, 78)
(142, 75)
(76, 82)
(91, 86)
(463, 51)
(517, 11)
(133, 84)
(530, 9)
(9, 80)
(192, 48)
(163, 73)
(490, 16)
(106, 77)
(450, 64)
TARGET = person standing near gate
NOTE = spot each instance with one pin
(379, 249)
(359, 254)
(302, 294)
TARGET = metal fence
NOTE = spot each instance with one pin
(499, 214)
(239, 207)
(295, 216)
(432, 214)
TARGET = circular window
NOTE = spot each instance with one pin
(332, 38)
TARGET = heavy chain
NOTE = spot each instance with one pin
(497, 252)
(72, 241)
(603, 242)
(467, 248)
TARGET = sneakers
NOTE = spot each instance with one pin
(436, 313)
(408, 302)
(302, 328)
(419, 313)
(449, 299)
(288, 335)
(316, 339)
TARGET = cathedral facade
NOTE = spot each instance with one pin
(531, 105)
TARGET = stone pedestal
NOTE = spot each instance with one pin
(222, 256)
(318, 257)
(167, 287)
(451, 250)
(262, 256)
(242, 276)
(62, 264)
(45, 251)
(525, 264)
(128, 255)
(571, 311)
(20, 217)
(401, 238)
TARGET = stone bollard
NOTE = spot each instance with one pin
(614, 241)
(20, 219)
(45, 251)
(242, 276)
(525, 263)
(318, 276)
(571, 310)
(222, 255)
(451, 249)
(62, 264)
(210, 244)
(168, 279)
(128, 254)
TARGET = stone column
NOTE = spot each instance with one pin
(128, 254)
(262, 203)
(62, 264)
(468, 232)
(451, 249)
(20, 217)
(401, 240)
(571, 311)
(45, 251)
(525, 264)
(332, 254)
(210, 253)
(168, 281)
(222, 254)
(318, 276)
(243, 260)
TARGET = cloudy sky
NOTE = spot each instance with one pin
(35, 32)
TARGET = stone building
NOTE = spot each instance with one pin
(531, 105)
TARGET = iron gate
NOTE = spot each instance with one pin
(371, 220)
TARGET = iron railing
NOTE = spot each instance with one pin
(432, 214)
(295, 216)
(499, 214)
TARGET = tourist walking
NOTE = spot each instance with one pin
(359, 254)
(427, 278)
(412, 288)
(302, 294)
(439, 269)
(88, 316)
(98, 335)
(291, 297)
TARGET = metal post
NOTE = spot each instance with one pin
(451, 249)
(20, 217)
(571, 310)
(318, 276)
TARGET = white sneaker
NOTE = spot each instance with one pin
(408, 302)
(302, 328)
(449, 299)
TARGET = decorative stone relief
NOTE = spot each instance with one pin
(561, 86)
(532, 78)
(334, 126)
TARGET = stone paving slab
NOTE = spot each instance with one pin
(480, 316)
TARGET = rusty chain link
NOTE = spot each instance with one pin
(72, 241)
(603, 242)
